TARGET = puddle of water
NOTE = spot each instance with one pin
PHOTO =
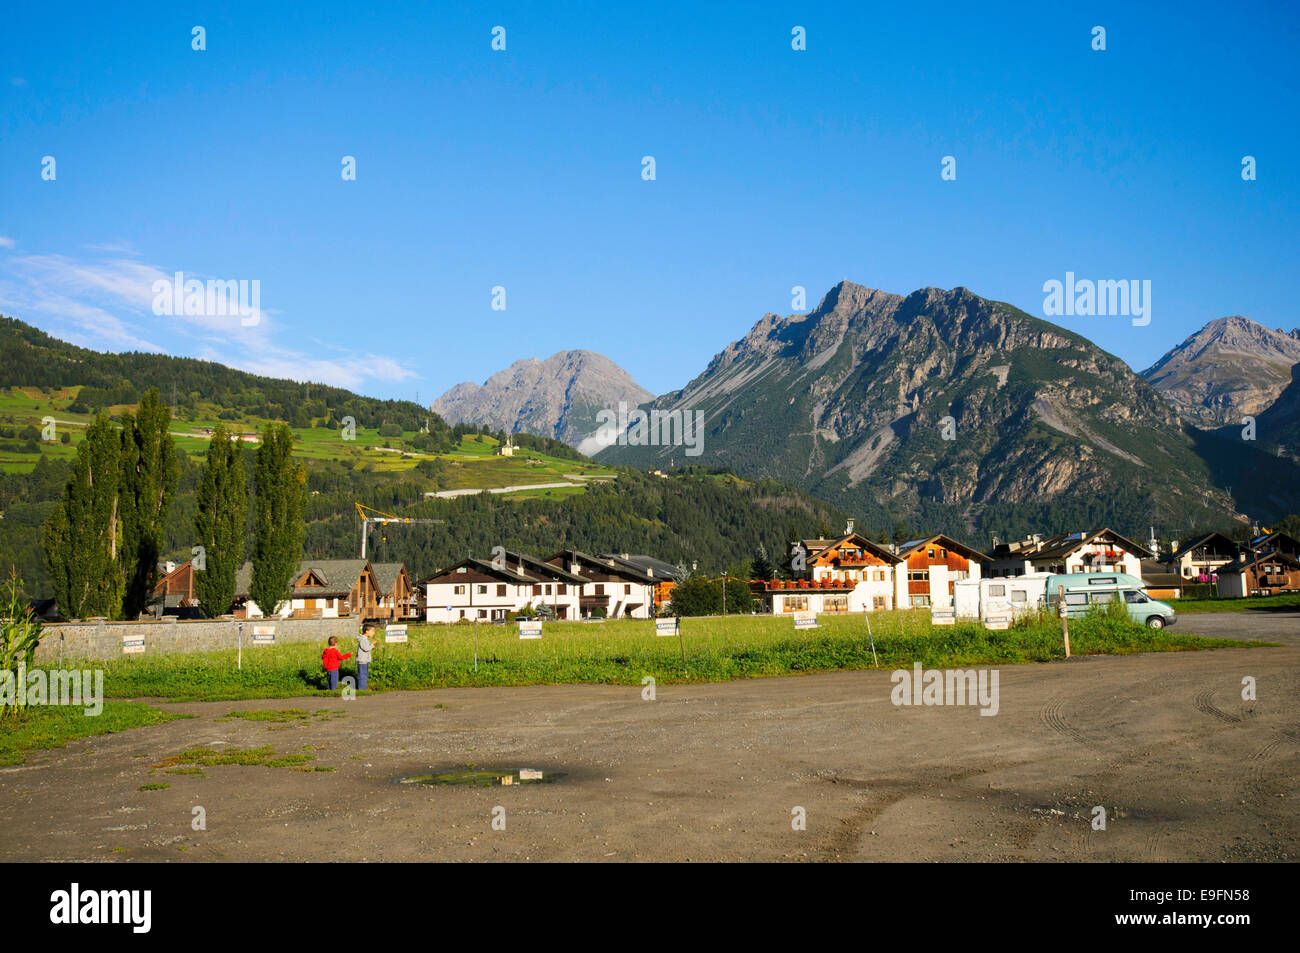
(485, 777)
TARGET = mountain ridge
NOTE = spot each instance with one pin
(558, 397)
(1231, 368)
(852, 401)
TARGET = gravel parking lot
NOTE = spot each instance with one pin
(1184, 768)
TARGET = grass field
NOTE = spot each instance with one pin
(38, 729)
(624, 652)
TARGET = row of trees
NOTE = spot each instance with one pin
(104, 537)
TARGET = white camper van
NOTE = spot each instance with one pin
(1006, 598)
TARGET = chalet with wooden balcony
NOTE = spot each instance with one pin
(396, 594)
(323, 589)
(934, 565)
(1267, 573)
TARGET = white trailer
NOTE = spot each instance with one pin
(1003, 599)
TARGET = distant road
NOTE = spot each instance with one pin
(449, 494)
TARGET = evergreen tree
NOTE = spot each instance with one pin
(148, 480)
(219, 524)
(697, 595)
(81, 536)
(279, 528)
(762, 564)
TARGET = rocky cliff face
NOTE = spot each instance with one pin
(558, 397)
(944, 408)
(1231, 368)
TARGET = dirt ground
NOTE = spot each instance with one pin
(1185, 769)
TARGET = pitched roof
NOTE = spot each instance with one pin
(1218, 539)
(1062, 544)
(947, 542)
(487, 567)
(861, 542)
(1254, 559)
(338, 575)
(386, 575)
(604, 564)
(535, 566)
(657, 567)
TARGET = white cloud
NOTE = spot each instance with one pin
(6, 242)
(106, 302)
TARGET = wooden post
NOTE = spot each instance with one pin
(239, 657)
(874, 660)
(1065, 625)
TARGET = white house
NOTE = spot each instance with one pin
(614, 587)
(477, 590)
(934, 566)
(849, 574)
(1101, 550)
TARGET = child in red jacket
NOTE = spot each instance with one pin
(331, 658)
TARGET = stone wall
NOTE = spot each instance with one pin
(100, 640)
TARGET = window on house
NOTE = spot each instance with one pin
(918, 576)
(877, 602)
(458, 590)
(537, 589)
(548, 590)
(501, 589)
(835, 604)
(794, 604)
(481, 589)
(920, 600)
(482, 613)
(600, 588)
(562, 589)
(627, 590)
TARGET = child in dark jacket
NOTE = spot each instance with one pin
(331, 658)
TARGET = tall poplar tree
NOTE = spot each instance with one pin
(149, 474)
(222, 500)
(279, 526)
(83, 533)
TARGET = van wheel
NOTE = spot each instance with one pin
(1155, 622)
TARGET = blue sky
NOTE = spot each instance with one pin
(522, 169)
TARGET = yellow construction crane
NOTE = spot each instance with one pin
(382, 517)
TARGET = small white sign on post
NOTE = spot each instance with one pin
(133, 645)
(530, 629)
(667, 626)
(805, 620)
(395, 633)
(264, 635)
(997, 622)
(943, 616)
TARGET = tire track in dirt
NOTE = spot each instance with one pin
(1204, 702)
(1053, 716)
